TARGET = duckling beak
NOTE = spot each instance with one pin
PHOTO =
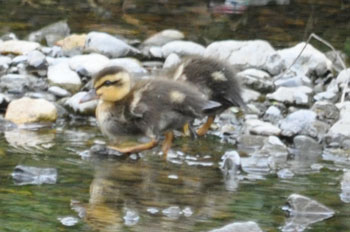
(91, 95)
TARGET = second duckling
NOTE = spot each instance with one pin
(147, 107)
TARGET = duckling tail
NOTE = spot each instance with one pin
(211, 107)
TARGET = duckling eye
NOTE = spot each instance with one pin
(108, 83)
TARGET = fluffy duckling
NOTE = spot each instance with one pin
(144, 108)
(215, 78)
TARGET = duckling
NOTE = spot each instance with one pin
(145, 107)
(215, 78)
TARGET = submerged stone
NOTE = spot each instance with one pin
(249, 226)
(131, 218)
(68, 221)
(345, 188)
(27, 175)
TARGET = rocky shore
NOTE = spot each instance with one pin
(296, 111)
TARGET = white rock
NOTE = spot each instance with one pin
(249, 226)
(163, 37)
(82, 108)
(293, 95)
(182, 48)
(35, 58)
(61, 75)
(108, 45)
(345, 188)
(256, 79)
(18, 47)
(91, 63)
(249, 95)
(156, 51)
(343, 78)
(273, 115)
(58, 91)
(131, 65)
(298, 122)
(172, 60)
(258, 127)
(340, 131)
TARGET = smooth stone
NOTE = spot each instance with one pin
(41, 95)
(248, 226)
(27, 110)
(63, 76)
(251, 143)
(72, 42)
(292, 79)
(255, 126)
(163, 37)
(306, 148)
(230, 167)
(91, 63)
(152, 210)
(328, 95)
(4, 101)
(305, 211)
(171, 61)
(257, 79)
(250, 95)
(249, 54)
(285, 174)
(310, 60)
(108, 45)
(173, 212)
(259, 165)
(4, 63)
(68, 221)
(131, 218)
(19, 59)
(131, 65)
(51, 33)
(18, 47)
(345, 188)
(18, 83)
(273, 115)
(182, 48)
(81, 108)
(340, 131)
(292, 95)
(58, 91)
(27, 175)
(155, 51)
(326, 111)
(53, 51)
(275, 150)
(36, 59)
(343, 78)
(187, 212)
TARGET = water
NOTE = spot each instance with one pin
(188, 192)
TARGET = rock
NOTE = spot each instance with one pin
(326, 111)
(303, 122)
(304, 212)
(44, 95)
(89, 64)
(292, 79)
(68, 221)
(61, 75)
(17, 83)
(251, 143)
(250, 95)
(182, 48)
(72, 42)
(51, 33)
(4, 101)
(258, 127)
(171, 61)
(310, 60)
(343, 78)
(131, 218)
(152, 210)
(339, 133)
(285, 174)
(329, 95)
(81, 108)
(163, 37)
(257, 80)
(36, 59)
(108, 45)
(275, 151)
(306, 149)
(249, 226)
(17, 47)
(27, 175)
(294, 95)
(345, 188)
(230, 167)
(131, 65)
(27, 110)
(58, 91)
(4, 64)
(248, 54)
(273, 115)
(173, 212)
(154, 51)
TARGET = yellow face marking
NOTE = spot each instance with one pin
(218, 76)
(116, 91)
(176, 96)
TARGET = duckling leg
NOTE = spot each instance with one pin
(205, 127)
(186, 130)
(169, 136)
(136, 148)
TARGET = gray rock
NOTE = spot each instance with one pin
(310, 61)
(292, 79)
(256, 79)
(250, 95)
(251, 143)
(304, 212)
(68, 221)
(173, 212)
(306, 149)
(51, 33)
(345, 188)
(255, 126)
(343, 78)
(82, 108)
(326, 111)
(172, 60)
(293, 95)
(340, 131)
(258, 165)
(154, 51)
(17, 83)
(41, 95)
(163, 37)
(27, 175)
(329, 95)
(274, 64)
(182, 48)
(18, 47)
(4, 64)
(131, 217)
(58, 91)
(275, 151)
(285, 173)
(129, 64)
(249, 226)
(108, 45)
(36, 59)
(273, 115)
(187, 212)
(89, 64)
(61, 75)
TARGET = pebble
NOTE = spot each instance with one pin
(27, 175)
(63, 76)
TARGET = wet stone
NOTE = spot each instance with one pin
(153, 210)
(345, 187)
(339, 133)
(255, 126)
(36, 59)
(303, 212)
(326, 111)
(173, 212)
(68, 221)
(273, 115)
(81, 108)
(231, 162)
(297, 122)
(285, 173)
(249, 226)
(257, 80)
(182, 48)
(275, 151)
(103, 150)
(131, 217)
(27, 175)
(187, 212)
(307, 147)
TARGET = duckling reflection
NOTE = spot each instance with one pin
(144, 187)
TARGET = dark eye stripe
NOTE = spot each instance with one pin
(107, 83)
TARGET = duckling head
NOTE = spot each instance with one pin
(112, 84)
